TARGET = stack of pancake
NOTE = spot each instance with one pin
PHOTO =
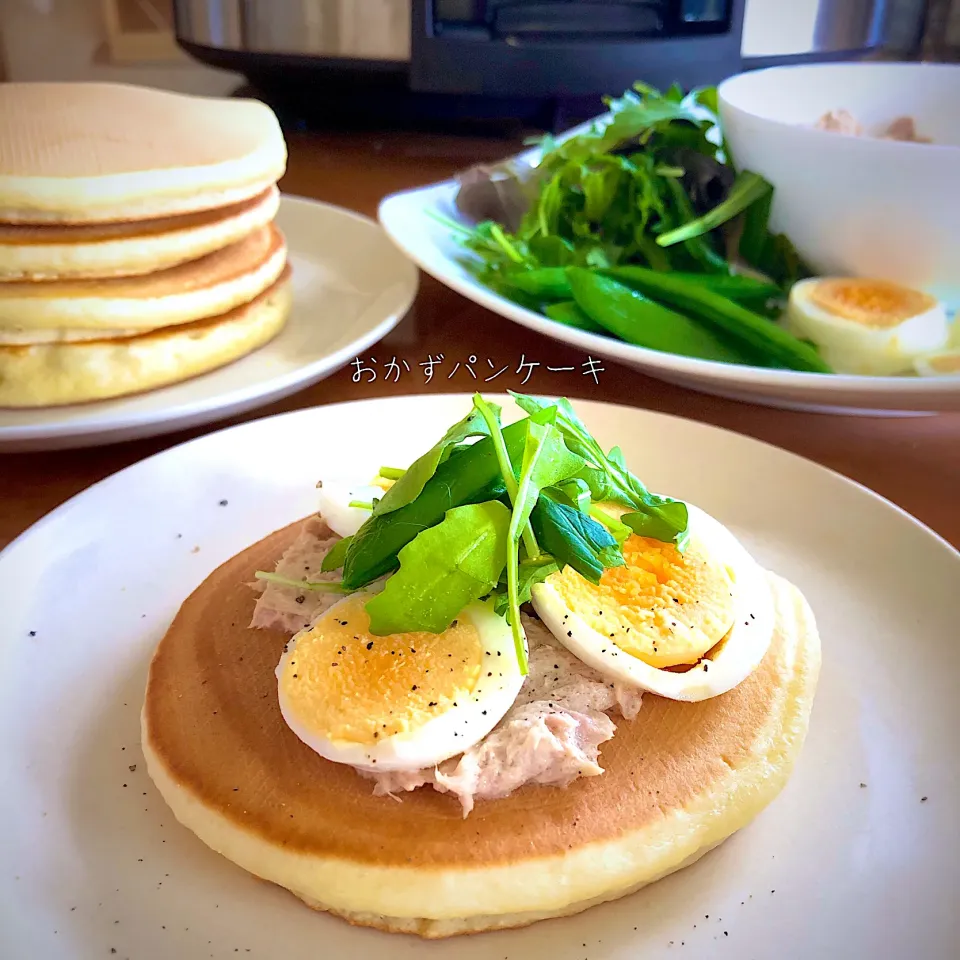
(137, 243)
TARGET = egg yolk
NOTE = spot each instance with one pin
(947, 363)
(872, 303)
(662, 606)
(349, 685)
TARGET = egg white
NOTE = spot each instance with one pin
(745, 646)
(853, 347)
(443, 736)
(335, 497)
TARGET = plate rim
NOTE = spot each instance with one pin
(798, 459)
(237, 400)
(759, 378)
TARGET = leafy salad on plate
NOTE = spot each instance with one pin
(642, 228)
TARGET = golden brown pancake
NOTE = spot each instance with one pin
(678, 780)
(106, 152)
(92, 251)
(202, 288)
(54, 374)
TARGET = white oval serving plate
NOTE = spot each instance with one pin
(409, 219)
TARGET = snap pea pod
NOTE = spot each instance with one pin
(749, 328)
(472, 476)
(550, 283)
(570, 315)
(641, 321)
(734, 286)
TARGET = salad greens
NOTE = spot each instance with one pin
(649, 186)
(489, 512)
(442, 570)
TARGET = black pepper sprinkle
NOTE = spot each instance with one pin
(33, 633)
(569, 633)
(223, 503)
(414, 687)
(706, 667)
(300, 599)
(923, 799)
(863, 786)
(370, 645)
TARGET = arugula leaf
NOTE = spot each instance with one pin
(577, 490)
(617, 528)
(443, 569)
(409, 486)
(531, 573)
(748, 189)
(621, 485)
(660, 522)
(314, 586)
(572, 538)
(333, 560)
(546, 461)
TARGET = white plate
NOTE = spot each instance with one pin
(408, 219)
(351, 287)
(91, 859)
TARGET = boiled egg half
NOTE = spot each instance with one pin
(338, 503)
(400, 702)
(865, 326)
(684, 625)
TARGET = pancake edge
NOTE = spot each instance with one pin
(61, 374)
(134, 255)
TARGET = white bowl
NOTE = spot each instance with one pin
(857, 206)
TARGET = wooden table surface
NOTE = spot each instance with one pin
(912, 461)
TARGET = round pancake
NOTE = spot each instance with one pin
(54, 252)
(54, 374)
(102, 152)
(190, 291)
(678, 780)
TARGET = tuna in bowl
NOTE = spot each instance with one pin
(855, 195)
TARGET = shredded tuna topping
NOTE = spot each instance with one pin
(286, 608)
(550, 736)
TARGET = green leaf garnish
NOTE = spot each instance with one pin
(531, 573)
(619, 484)
(317, 586)
(546, 461)
(572, 538)
(334, 557)
(391, 473)
(410, 482)
(442, 570)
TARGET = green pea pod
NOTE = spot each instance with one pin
(548, 283)
(570, 315)
(755, 332)
(633, 317)
(472, 476)
(735, 286)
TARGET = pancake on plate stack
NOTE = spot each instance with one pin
(137, 243)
